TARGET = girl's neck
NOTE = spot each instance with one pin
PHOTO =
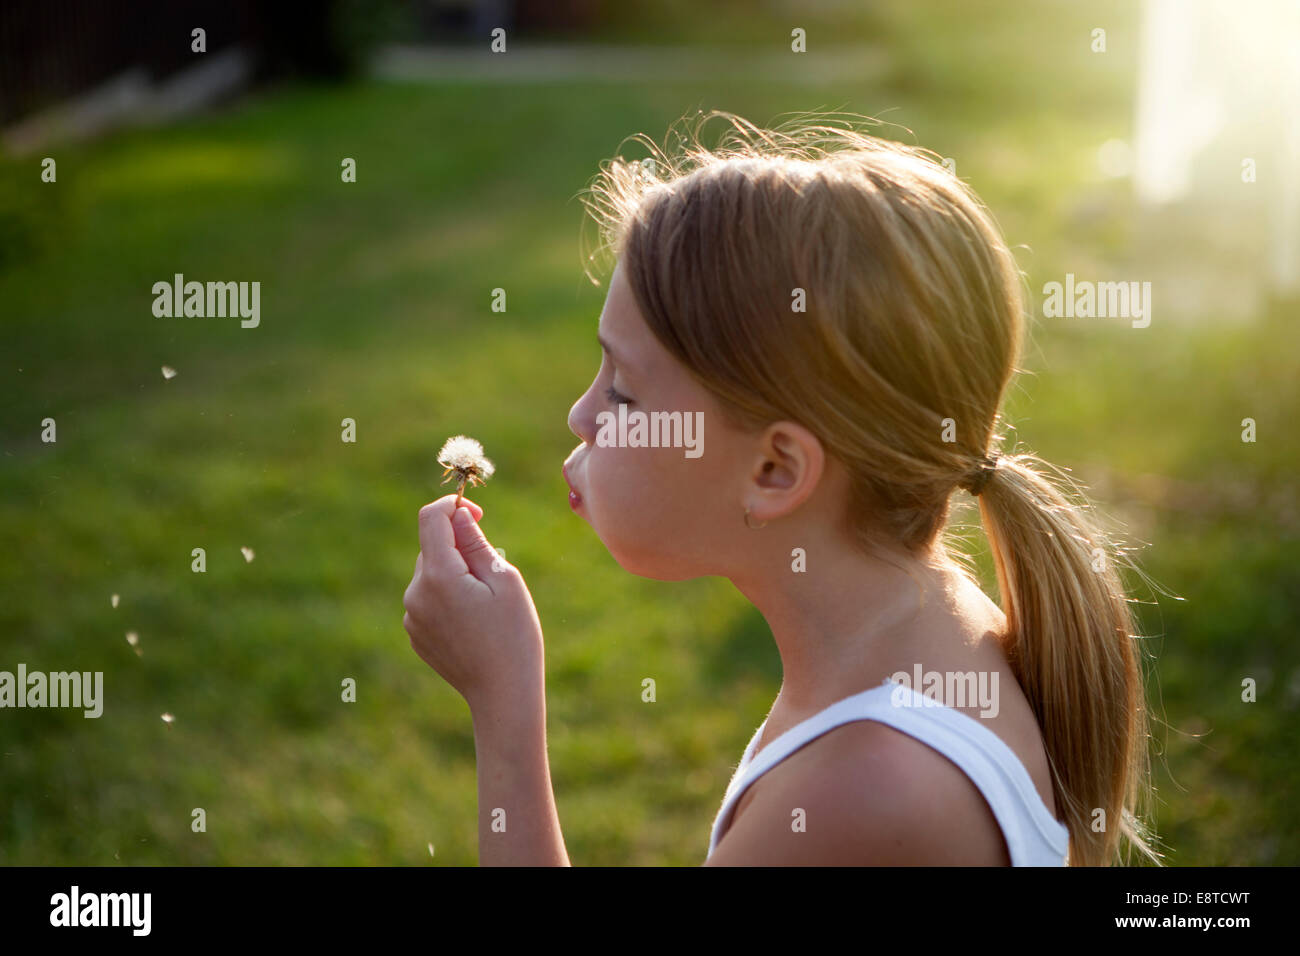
(848, 624)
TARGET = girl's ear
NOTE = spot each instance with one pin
(787, 469)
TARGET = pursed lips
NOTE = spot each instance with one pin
(575, 497)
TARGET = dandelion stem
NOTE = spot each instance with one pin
(460, 488)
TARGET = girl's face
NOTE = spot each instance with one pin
(660, 513)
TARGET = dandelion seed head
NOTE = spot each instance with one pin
(463, 459)
(114, 600)
(167, 718)
(168, 371)
(132, 638)
(464, 453)
(247, 553)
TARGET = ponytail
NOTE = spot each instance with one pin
(1071, 646)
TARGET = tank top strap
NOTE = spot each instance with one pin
(1034, 837)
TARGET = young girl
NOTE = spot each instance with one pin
(842, 316)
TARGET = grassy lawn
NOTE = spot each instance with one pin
(376, 307)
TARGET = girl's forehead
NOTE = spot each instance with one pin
(621, 326)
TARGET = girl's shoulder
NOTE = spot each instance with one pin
(861, 794)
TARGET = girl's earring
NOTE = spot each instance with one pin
(749, 525)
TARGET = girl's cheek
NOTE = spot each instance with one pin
(612, 477)
(602, 477)
(618, 475)
(641, 476)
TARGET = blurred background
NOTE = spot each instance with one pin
(1164, 148)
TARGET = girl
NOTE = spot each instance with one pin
(845, 318)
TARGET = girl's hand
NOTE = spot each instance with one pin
(468, 611)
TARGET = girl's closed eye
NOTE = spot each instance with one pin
(616, 398)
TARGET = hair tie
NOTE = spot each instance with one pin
(981, 479)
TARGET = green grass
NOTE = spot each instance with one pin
(375, 306)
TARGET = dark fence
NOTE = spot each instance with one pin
(51, 50)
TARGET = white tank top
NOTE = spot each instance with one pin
(1034, 837)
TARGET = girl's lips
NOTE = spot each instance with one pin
(575, 499)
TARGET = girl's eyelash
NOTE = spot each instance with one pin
(616, 398)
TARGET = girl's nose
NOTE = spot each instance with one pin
(578, 418)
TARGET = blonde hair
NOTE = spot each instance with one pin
(913, 316)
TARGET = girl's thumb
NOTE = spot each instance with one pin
(471, 543)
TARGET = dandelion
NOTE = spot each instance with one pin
(114, 600)
(133, 639)
(248, 555)
(168, 371)
(167, 718)
(462, 457)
